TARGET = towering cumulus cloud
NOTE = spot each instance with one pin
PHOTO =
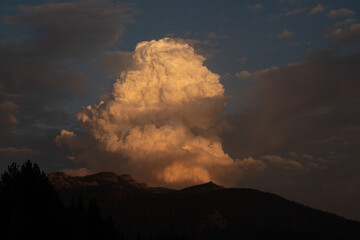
(159, 122)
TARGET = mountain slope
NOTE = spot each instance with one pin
(206, 211)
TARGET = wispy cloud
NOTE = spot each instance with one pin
(285, 34)
(342, 12)
(344, 33)
(283, 163)
(16, 152)
(245, 74)
(255, 8)
(347, 35)
(317, 9)
(296, 11)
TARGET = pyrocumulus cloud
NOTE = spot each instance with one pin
(160, 121)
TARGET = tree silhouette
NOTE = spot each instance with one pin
(29, 204)
(31, 208)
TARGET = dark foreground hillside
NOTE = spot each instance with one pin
(205, 211)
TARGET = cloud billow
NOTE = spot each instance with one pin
(160, 121)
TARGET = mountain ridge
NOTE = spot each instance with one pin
(204, 211)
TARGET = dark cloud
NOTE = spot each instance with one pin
(301, 102)
(308, 112)
(114, 62)
(49, 65)
(72, 29)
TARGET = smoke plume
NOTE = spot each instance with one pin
(160, 121)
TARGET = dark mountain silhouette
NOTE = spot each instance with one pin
(206, 211)
(202, 188)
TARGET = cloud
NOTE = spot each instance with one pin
(249, 166)
(283, 163)
(285, 34)
(344, 23)
(114, 62)
(296, 11)
(344, 33)
(160, 122)
(265, 70)
(255, 8)
(349, 34)
(13, 152)
(71, 28)
(36, 66)
(245, 74)
(300, 108)
(7, 118)
(308, 156)
(317, 9)
(310, 108)
(342, 12)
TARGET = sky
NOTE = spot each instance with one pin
(259, 94)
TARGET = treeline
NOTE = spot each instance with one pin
(30, 208)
